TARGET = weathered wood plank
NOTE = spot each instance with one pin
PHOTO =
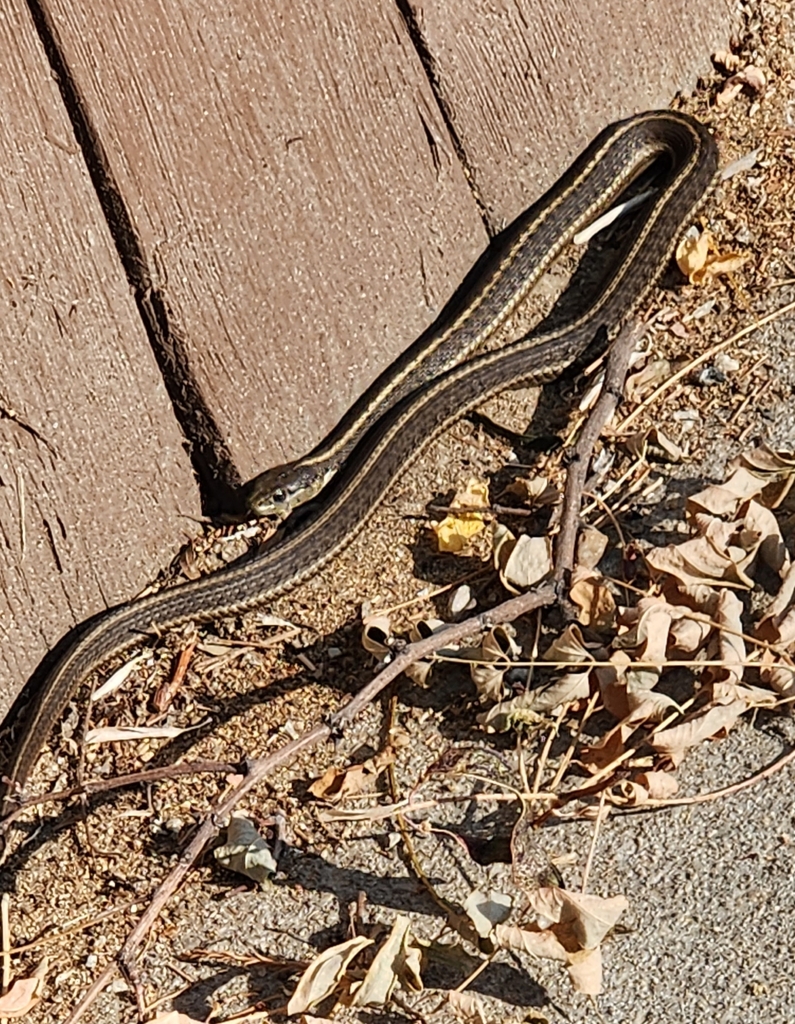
(294, 191)
(527, 83)
(95, 485)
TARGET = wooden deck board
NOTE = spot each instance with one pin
(94, 482)
(527, 83)
(294, 191)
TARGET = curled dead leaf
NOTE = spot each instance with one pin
(491, 660)
(544, 944)
(246, 851)
(590, 593)
(340, 783)
(591, 546)
(659, 785)
(708, 723)
(585, 971)
(457, 529)
(487, 909)
(467, 1007)
(524, 563)
(20, 999)
(653, 785)
(325, 974)
(377, 636)
(534, 492)
(397, 962)
(751, 77)
(700, 260)
(653, 443)
(731, 646)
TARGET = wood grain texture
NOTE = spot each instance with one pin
(95, 485)
(527, 83)
(293, 188)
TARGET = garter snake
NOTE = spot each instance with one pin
(497, 284)
(394, 439)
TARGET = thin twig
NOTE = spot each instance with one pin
(592, 851)
(544, 756)
(5, 928)
(93, 786)
(737, 787)
(577, 472)
(565, 761)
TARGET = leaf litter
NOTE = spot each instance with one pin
(690, 614)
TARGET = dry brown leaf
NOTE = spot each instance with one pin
(245, 851)
(457, 529)
(585, 971)
(339, 783)
(700, 260)
(692, 251)
(731, 646)
(544, 944)
(687, 637)
(644, 787)
(324, 974)
(627, 794)
(613, 685)
(579, 920)
(710, 723)
(570, 647)
(570, 687)
(121, 734)
(397, 962)
(174, 1017)
(21, 997)
(118, 678)
(724, 499)
(653, 443)
(497, 651)
(776, 468)
(376, 636)
(591, 546)
(487, 909)
(652, 630)
(777, 609)
(772, 550)
(533, 491)
(528, 562)
(767, 462)
(699, 560)
(467, 1007)
(588, 918)
(659, 785)
(594, 599)
(598, 755)
(751, 77)
(778, 672)
(731, 62)
(698, 598)
(418, 671)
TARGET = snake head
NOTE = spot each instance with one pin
(279, 491)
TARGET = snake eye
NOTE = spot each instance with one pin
(279, 495)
